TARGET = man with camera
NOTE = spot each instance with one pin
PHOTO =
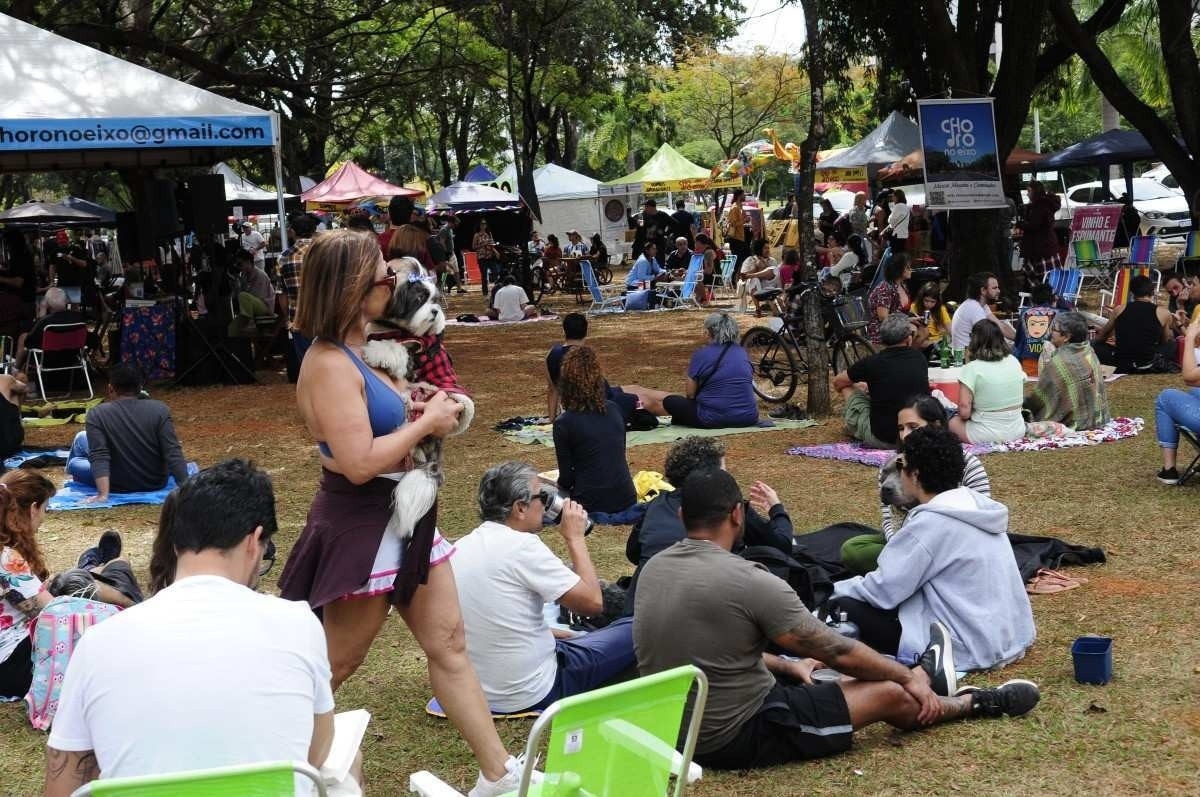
(506, 575)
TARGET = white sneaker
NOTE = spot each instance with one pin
(508, 783)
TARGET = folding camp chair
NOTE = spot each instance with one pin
(70, 340)
(728, 263)
(618, 741)
(1193, 468)
(270, 779)
(601, 302)
(1066, 283)
(682, 294)
(1092, 264)
(1119, 295)
(1189, 261)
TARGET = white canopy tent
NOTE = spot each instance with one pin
(569, 200)
(239, 189)
(68, 106)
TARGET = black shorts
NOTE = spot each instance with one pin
(682, 411)
(795, 723)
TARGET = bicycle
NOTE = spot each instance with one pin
(544, 282)
(779, 357)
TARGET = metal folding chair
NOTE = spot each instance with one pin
(68, 339)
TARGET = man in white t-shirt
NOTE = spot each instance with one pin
(253, 242)
(208, 672)
(982, 290)
(506, 575)
(509, 303)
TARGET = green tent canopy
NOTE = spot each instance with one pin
(668, 171)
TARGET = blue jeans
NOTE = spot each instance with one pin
(1174, 406)
(591, 660)
(79, 467)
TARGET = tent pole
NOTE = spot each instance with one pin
(277, 157)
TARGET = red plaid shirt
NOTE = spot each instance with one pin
(289, 271)
(433, 363)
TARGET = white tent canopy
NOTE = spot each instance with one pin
(568, 199)
(67, 106)
(239, 189)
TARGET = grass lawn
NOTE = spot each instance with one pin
(1140, 734)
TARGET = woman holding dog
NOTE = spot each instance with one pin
(346, 564)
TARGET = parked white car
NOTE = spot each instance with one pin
(1163, 211)
(1162, 175)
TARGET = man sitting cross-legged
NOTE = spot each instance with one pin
(763, 709)
(506, 575)
(889, 377)
(129, 443)
(951, 562)
(208, 672)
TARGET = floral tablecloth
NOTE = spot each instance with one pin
(148, 340)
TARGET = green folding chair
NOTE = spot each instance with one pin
(618, 741)
(268, 779)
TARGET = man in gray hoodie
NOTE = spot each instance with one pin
(951, 563)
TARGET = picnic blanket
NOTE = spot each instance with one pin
(73, 495)
(57, 413)
(1116, 429)
(528, 431)
(484, 321)
(59, 455)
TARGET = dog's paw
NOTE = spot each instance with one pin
(388, 355)
(466, 416)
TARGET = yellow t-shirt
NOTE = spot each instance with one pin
(939, 325)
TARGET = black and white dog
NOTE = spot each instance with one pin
(406, 344)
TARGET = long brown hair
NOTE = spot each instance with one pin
(339, 270)
(19, 490)
(408, 241)
(581, 383)
(163, 558)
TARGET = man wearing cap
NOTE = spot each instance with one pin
(253, 242)
(576, 247)
(506, 575)
(765, 709)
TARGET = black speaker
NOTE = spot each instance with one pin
(134, 239)
(157, 211)
(204, 206)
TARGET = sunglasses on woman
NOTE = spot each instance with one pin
(389, 281)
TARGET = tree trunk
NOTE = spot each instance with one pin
(977, 244)
(819, 405)
(1187, 82)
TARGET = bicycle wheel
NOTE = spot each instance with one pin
(775, 369)
(849, 349)
(604, 275)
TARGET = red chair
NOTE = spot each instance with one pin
(69, 339)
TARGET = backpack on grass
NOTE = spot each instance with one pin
(55, 634)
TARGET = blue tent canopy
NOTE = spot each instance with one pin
(479, 174)
(106, 216)
(1105, 149)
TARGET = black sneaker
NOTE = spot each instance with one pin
(109, 546)
(1014, 698)
(1168, 476)
(938, 661)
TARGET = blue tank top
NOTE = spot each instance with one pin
(385, 409)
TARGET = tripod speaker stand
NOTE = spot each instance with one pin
(207, 338)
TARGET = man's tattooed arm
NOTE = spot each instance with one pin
(66, 771)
